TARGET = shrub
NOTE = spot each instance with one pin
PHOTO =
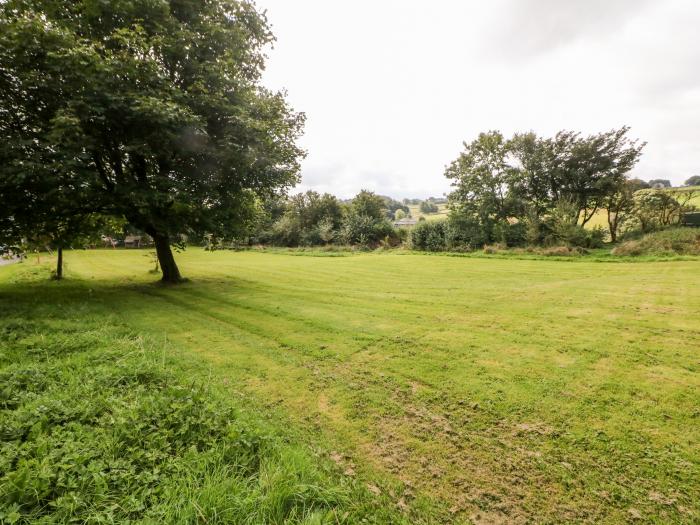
(533, 228)
(596, 237)
(563, 229)
(286, 232)
(510, 234)
(402, 235)
(326, 231)
(675, 241)
(429, 236)
(464, 233)
(366, 230)
(658, 208)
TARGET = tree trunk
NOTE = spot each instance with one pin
(171, 273)
(612, 226)
(59, 264)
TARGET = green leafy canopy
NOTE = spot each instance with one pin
(150, 110)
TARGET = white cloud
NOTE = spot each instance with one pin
(527, 27)
(392, 88)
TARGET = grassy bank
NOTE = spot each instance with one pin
(499, 389)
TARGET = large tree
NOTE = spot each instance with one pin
(531, 180)
(153, 111)
(481, 177)
(308, 219)
(569, 167)
(365, 221)
(595, 167)
(368, 204)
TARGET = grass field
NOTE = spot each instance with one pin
(695, 201)
(417, 214)
(438, 389)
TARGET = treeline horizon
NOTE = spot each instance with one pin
(523, 190)
(160, 120)
(694, 180)
(526, 190)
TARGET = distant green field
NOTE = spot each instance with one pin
(441, 214)
(463, 390)
(695, 200)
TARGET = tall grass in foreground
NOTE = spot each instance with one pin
(98, 426)
(93, 427)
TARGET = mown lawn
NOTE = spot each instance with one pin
(452, 389)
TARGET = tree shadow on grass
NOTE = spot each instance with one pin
(32, 296)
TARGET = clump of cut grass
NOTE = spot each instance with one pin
(674, 241)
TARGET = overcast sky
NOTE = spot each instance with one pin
(391, 88)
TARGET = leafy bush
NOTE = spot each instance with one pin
(577, 236)
(660, 208)
(533, 228)
(464, 233)
(510, 234)
(326, 231)
(402, 235)
(306, 219)
(286, 232)
(562, 228)
(674, 241)
(365, 230)
(429, 236)
(460, 233)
